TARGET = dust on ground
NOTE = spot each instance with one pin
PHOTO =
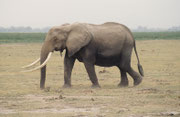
(158, 94)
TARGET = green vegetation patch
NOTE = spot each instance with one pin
(39, 37)
(21, 37)
(156, 35)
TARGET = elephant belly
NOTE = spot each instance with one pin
(107, 61)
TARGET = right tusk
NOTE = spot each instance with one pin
(42, 65)
(31, 63)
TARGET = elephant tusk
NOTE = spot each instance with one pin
(42, 65)
(31, 64)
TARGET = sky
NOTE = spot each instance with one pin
(132, 13)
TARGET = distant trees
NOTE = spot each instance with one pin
(23, 29)
(174, 28)
(146, 29)
(138, 29)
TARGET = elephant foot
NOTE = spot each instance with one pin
(124, 84)
(67, 86)
(137, 81)
(42, 87)
(95, 86)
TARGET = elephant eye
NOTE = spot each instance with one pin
(55, 38)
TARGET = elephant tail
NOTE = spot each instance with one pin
(140, 68)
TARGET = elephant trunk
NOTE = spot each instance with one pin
(44, 54)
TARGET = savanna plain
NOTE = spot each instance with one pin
(157, 96)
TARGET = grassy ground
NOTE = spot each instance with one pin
(158, 94)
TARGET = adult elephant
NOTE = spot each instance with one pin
(108, 44)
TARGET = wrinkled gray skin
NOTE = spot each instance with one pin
(108, 44)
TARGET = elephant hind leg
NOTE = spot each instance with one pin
(125, 66)
(124, 80)
(136, 76)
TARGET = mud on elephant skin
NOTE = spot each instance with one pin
(108, 44)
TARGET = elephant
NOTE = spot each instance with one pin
(106, 45)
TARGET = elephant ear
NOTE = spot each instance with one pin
(78, 38)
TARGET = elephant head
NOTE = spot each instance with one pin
(70, 37)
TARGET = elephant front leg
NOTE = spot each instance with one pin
(68, 66)
(92, 74)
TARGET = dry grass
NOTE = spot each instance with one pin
(157, 95)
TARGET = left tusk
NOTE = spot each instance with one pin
(42, 65)
(31, 63)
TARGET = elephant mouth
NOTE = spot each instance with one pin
(59, 49)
